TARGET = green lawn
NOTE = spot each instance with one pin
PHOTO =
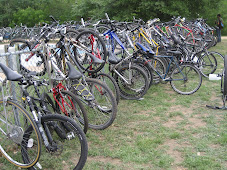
(164, 131)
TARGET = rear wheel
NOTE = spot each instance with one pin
(187, 80)
(30, 61)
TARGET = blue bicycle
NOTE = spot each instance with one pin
(131, 78)
(184, 77)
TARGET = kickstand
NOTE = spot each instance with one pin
(217, 107)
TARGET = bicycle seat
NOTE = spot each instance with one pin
(113, 59)
(95, 59)
(10, 74)
(174, 52)
(176, 39)
(141, 47)
(73, 73)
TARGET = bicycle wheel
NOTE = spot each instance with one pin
(75, 140)
(70, 105)
(137, 82)
(30, 61)
(158, 65)
(220, 61)
(90, 42)
(102, 110)
(187, 80)
(207, 64)
(225, 77)
(18, 133)
(111, 83)
(146, 65)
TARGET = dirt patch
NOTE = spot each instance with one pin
(115, 161)
(172, 123)
(145, 113)
(180, 168)
(196, 122)
(184, 110)
(172, 151)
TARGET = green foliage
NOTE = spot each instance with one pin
(29, 16)
(66, 10)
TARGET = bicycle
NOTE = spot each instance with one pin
(181, 81)
(130, 77)
(53, 127)
(18, 131)
(102, 114)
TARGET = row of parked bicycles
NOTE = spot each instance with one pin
(70, 80)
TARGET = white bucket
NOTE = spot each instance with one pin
(214, 77)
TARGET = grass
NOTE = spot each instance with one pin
(164, 131)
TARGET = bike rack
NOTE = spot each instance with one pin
(224, 107)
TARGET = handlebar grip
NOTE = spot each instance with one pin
(51, 16)
(107, 17)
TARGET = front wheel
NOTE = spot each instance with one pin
(224, 77)
(19, 135)
(70, 105)
(186, 80)
(207, 64)
(133, 82)
(111, 83)
(75, 140)
(102, 110)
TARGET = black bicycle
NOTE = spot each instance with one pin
(54, 129)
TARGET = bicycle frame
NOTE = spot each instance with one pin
(57, 91)
(164, 78)
(113, 37)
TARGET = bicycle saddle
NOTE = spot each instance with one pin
(73, 73)
(174, 52)
(141, 47)
(176, 39)
(95, 59)
(113, 59)
(10, 74)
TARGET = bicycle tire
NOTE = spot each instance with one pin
(220, 61)
(111, 83)
(102, 110)
(145, 64)
(15, 140)
(158, 65)
(97, 48)
(36, 63)
(207, 64)
(138, 77)
(178, 83)
(225, 77)
(79, 143)
(76, 112)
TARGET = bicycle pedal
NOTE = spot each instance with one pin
(70, 135)
(141, 98)
(30, 143)
(39, 165)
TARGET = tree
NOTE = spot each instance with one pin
(28, 16)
